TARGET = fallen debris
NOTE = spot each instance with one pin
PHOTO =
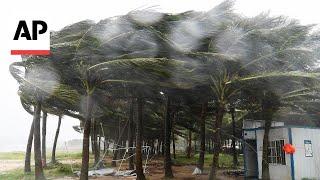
(109, 172)
(99, 172)
(197, 171)
(234, 172)
(126, 173)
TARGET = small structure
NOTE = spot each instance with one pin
(304, 163)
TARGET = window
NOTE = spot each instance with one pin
(275, 153)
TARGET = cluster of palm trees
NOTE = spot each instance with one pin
(168, 74)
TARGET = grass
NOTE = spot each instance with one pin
(11, 155)
(59, 155)
(16, 174)
(225, 160)
(53, 171)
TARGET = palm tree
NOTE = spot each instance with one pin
(167, 140)
(44, 132)
(203, 115)
(27, 161)
(124, 58)
(53, 156)
(35, 91)
(37, 143)
(130, 135)
(139, 169)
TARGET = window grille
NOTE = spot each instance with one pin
(275, 153)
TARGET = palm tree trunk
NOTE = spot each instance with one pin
(202, 135)
(130, 136)
(265, 159)
(116, 146)
(158, 147)
(44, 132)
(153, 149)
(173, 135)
(115, 156)
(95, 145)
(162, 147)
(173, 144)
(139, 169)
(27, 160)
(92, 140)
(53, 157)
(99, 142)
(269, 105)
(37, 143)
(189, 144)
(104, 144)
(217, 143)
(86, 141)
(167, 133)
(234, 150)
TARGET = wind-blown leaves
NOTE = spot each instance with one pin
(292, 74)
(145, 52)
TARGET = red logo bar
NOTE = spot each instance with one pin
(30, 52)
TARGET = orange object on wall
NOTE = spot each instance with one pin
(289, 148)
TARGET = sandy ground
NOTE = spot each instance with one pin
(155, 171)
(180, 173)
(7, 165)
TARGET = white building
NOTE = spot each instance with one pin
(303, 164)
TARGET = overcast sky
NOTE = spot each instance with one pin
(15, 122)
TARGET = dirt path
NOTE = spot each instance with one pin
(155, 171)
(7, 165)
(180, 173)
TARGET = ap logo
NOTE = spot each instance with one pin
(30, 37)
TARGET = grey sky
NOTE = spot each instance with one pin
(15, 122)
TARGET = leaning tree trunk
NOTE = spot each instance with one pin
(167, 133)
(44, 132)
(202, 135)
(53, 157)
(265, 159)
(130, 136)
(92, 140)
(86, 140)
(104, 144)
(139, 169)
(27, 160)
(173, 143)
(234, 150)
(189, 149)
(217, 143)
(99, 142)
(37, 143)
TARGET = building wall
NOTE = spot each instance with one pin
(277, 171)
(306, 167)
